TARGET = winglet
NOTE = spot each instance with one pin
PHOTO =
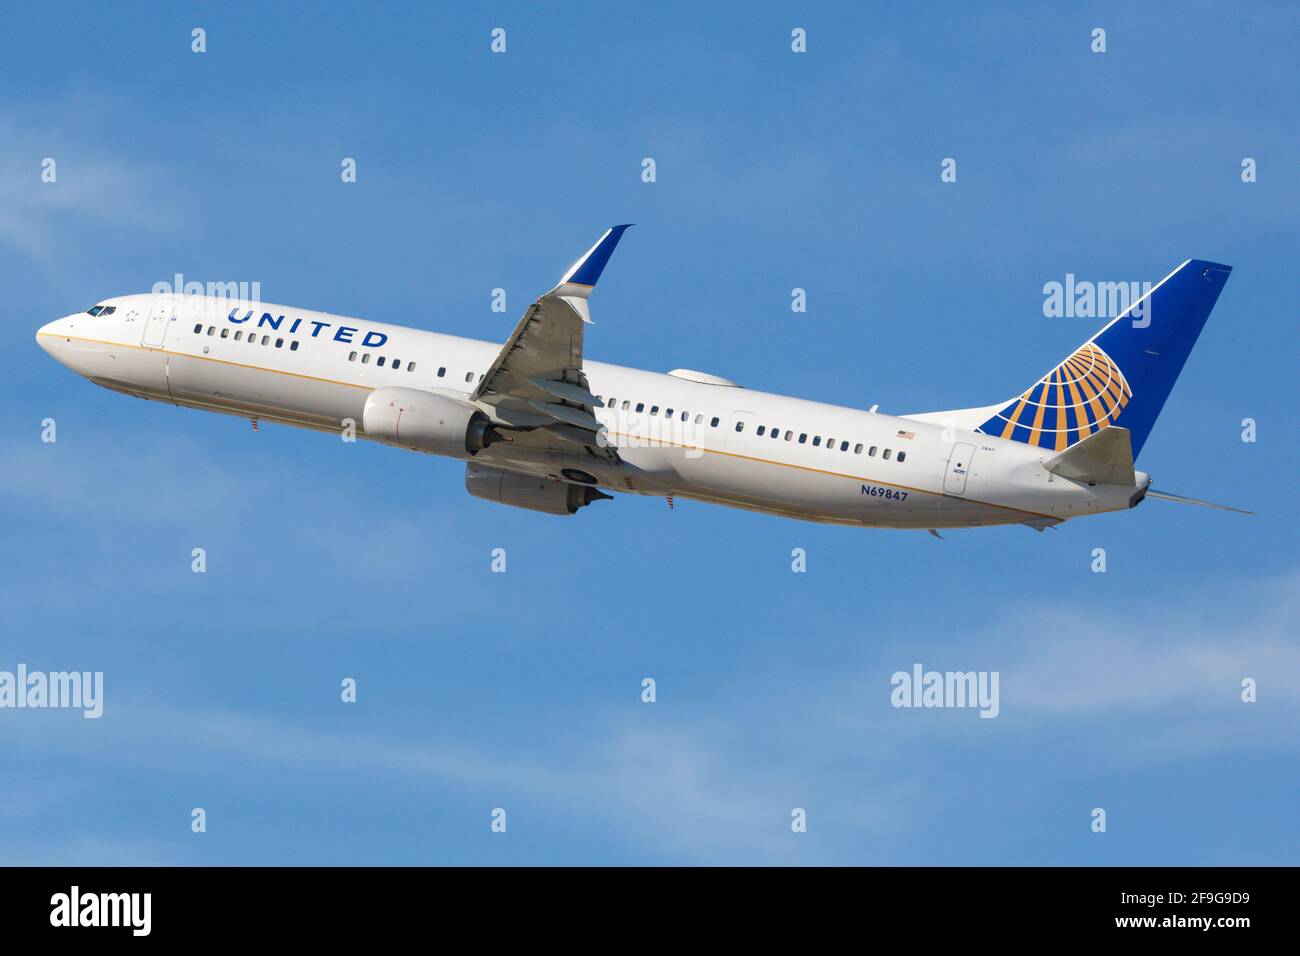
(576, 285)
(587, 270)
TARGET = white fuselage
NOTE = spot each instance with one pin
(826, 462)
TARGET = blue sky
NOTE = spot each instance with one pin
(522, 690)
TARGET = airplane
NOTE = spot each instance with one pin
(541, 427)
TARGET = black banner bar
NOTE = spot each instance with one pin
(374, 904)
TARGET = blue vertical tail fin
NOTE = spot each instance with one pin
(1123, 374)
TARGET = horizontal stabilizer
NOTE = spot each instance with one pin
(1179, 499)
(1103, 458)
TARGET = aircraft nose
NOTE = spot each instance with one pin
(47, 336)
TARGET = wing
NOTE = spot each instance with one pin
(537, 382)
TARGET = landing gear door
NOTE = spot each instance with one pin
(959, 467)
(155, 327)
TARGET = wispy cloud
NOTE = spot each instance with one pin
(698, 787)
(96, 186)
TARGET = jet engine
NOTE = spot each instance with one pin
(426, 421)
(525, 491)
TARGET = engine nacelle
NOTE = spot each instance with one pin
(425, 421)
(525, 491)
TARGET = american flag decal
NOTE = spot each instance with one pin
(254, 421)
(907, 434)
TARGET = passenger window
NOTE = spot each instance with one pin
(410, 366)
(239, 334)
(640, 406)
(442, 372)
(654, 409)
(352, 356)
(380, 362)
(279, 343)
(713, 423)
(885, 455)
(627, 403)
(365, 359)
(817, 439)
(857, 449)
(198, 329)
(469, 376)
(212, 330)
(699, 419)
(668, 413)
(740, 426)
(803, 438)
(830, 443)
(686, 416)
(844, 446)
(902, 456)
(397, 365)
(293, 346)
(871, 452)
(266, 339)
(759, 430)
(776, 433)
(225, 333)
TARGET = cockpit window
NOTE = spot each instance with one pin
(101, 310)
(95, 311)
